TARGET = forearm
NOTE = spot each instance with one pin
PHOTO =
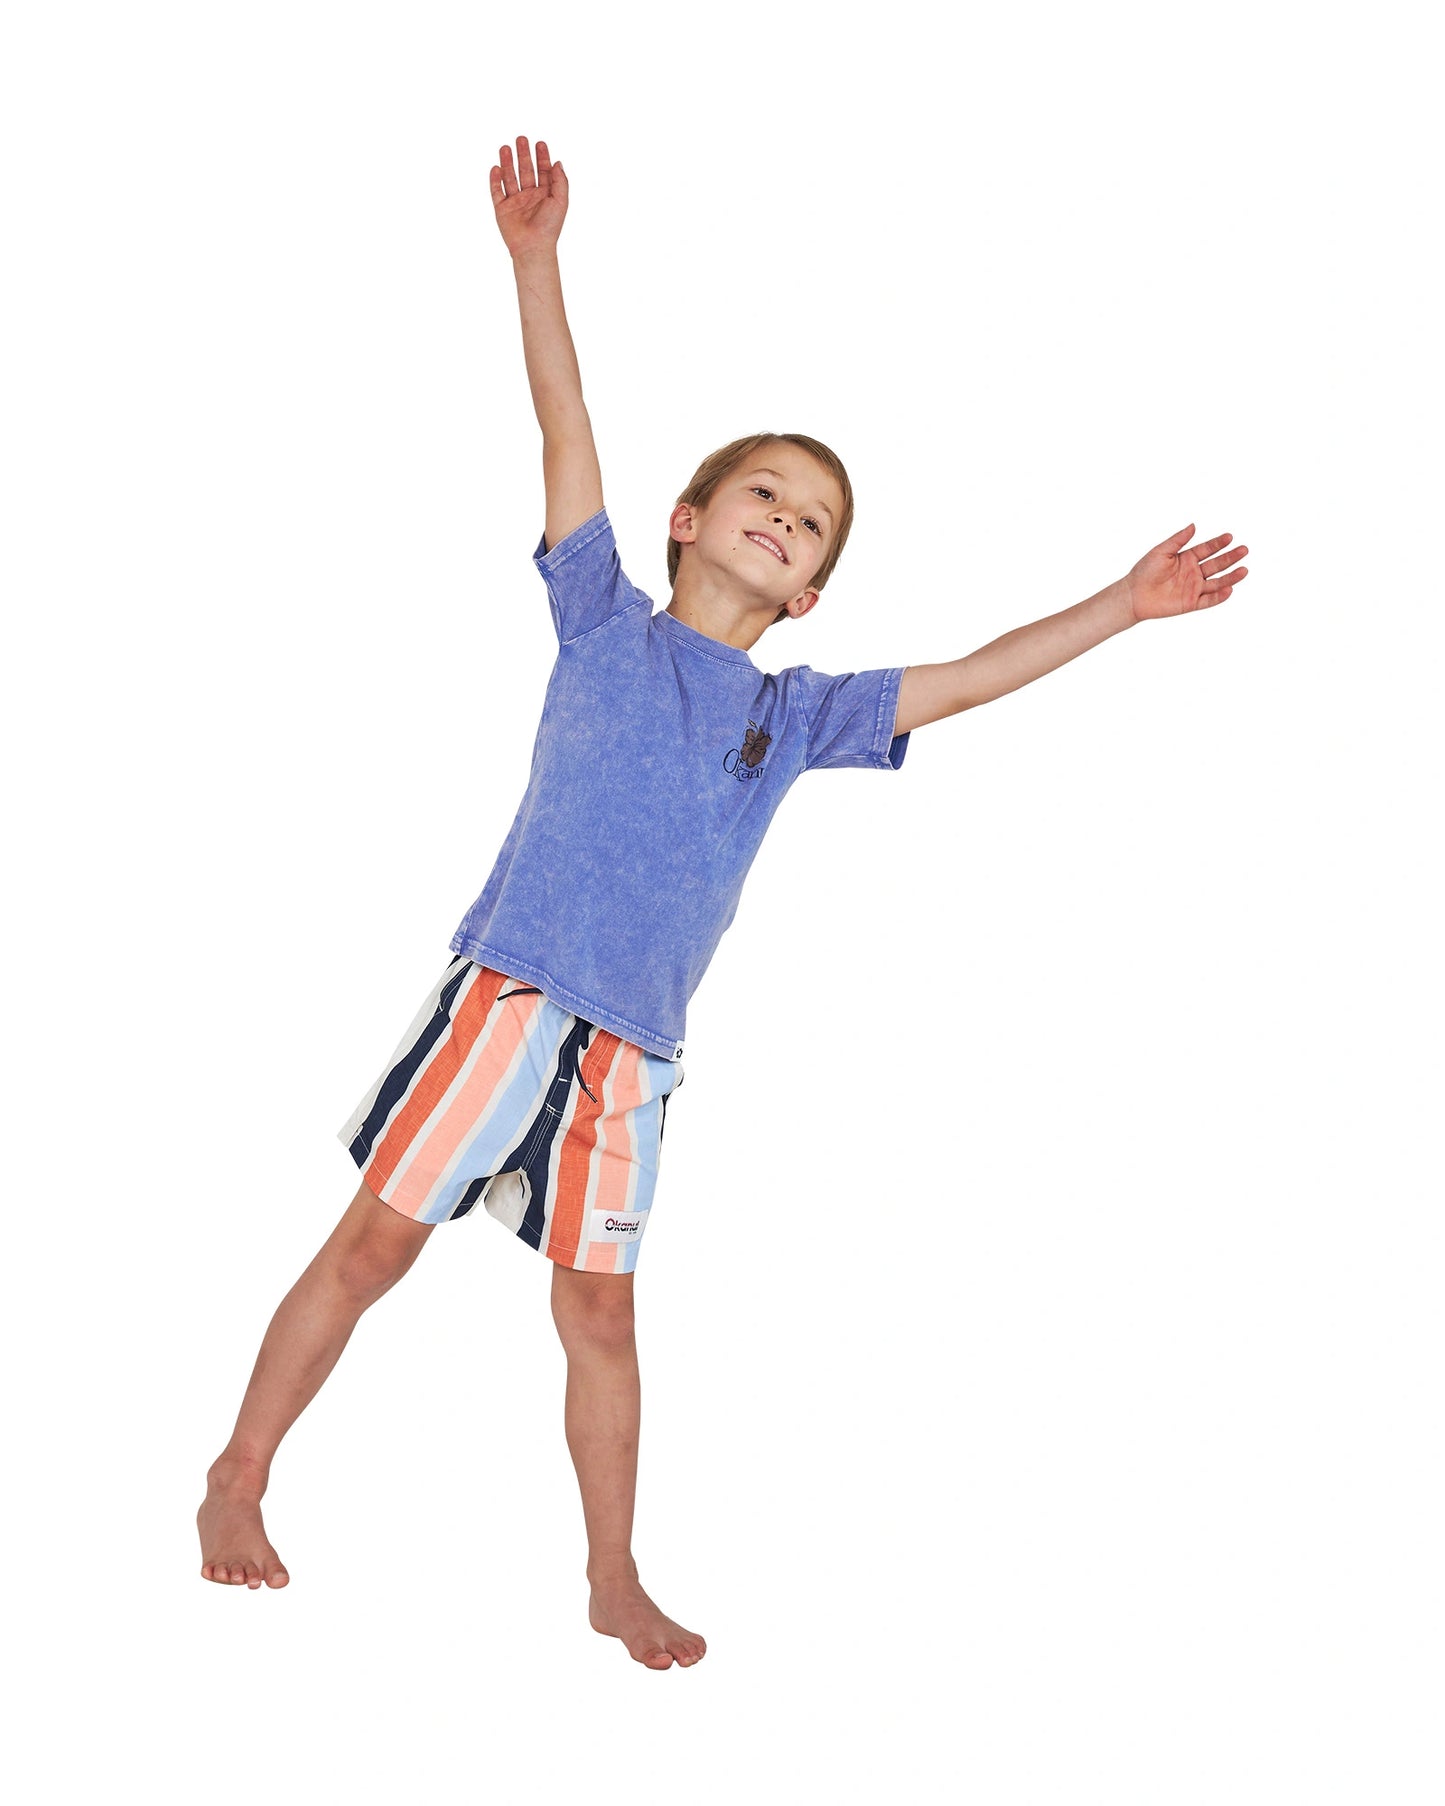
(1017, 658)
(547, 343)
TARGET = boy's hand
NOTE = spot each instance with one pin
(531, 205)
(1172, 581)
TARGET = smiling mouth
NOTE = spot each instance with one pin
(769, 544)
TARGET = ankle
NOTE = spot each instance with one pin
(238, 1473)
(611, 1571)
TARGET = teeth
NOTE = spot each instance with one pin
(760, 539)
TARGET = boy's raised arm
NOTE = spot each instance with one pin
(530, 206)
(1172, 578)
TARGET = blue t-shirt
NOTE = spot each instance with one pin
(661, 757)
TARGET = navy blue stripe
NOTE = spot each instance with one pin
(394, 1085)
(470, 1195)
(538, 1152)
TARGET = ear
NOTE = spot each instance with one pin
(682, 523)
(801, 603)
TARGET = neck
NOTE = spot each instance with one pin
(702, 606)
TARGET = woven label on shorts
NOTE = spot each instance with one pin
(618, 1225)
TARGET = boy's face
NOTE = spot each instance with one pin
(780, 495)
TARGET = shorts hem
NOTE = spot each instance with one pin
(545, 1250)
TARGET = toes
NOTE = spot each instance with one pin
(653, 1656)
(224, 1573)
(244, 1574)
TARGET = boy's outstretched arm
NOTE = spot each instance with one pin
(1167, 580)
(531, 204)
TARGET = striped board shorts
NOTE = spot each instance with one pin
(497, 1096)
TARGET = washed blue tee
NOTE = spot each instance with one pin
(660, 759)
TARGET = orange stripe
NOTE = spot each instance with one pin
(467, 1023)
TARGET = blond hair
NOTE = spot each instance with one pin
(719, 465)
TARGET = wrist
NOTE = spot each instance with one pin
(1118, 605)
(533, 256)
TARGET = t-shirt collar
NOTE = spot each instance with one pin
(704, 642)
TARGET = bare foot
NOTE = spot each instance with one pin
(234, 1549)
(620, 1608)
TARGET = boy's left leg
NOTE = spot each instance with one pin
(594, 1317)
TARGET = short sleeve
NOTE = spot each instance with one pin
(850, 719)
(586, 586)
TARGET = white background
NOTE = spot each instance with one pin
(1040, 1319)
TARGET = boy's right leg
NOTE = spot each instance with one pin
(364, 1256)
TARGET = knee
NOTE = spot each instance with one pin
(374, 1246)
(593, 1311)
(366, 1271)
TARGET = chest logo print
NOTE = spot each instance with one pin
(746, 761)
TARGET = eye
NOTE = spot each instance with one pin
(808, 521)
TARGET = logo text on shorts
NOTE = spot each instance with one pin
(622, 1225)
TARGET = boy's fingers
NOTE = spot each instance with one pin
(509, 175)
(1224, 560)
(550, 175)
(1171, 547)
(1221, 586)
(524, 157)
(498, 192)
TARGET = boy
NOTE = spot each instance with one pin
(534, 1080)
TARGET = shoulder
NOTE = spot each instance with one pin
(801, 686)
(585, 581)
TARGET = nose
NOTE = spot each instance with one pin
(779, 521)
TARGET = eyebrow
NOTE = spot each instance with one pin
(763, 471)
